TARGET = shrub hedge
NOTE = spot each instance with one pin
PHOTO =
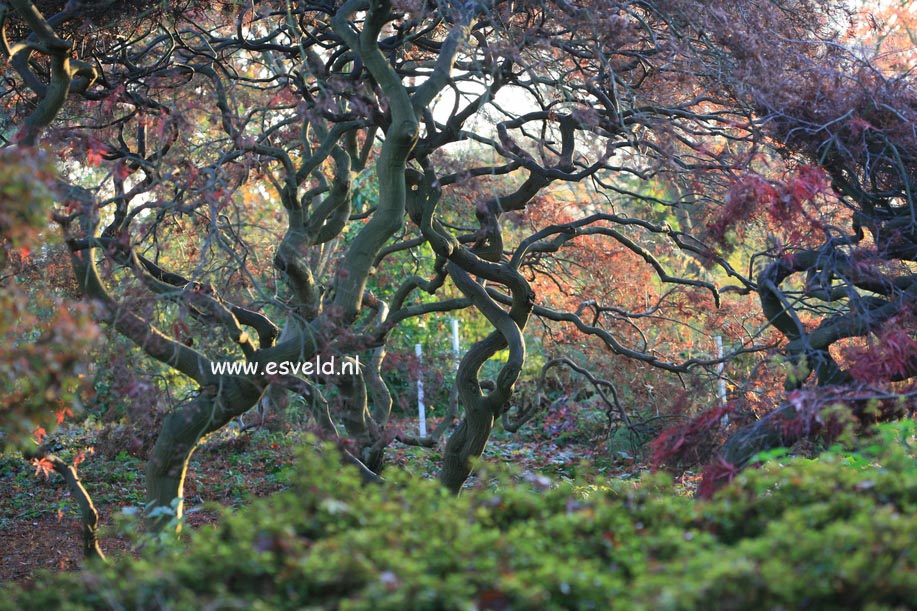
(834, 532)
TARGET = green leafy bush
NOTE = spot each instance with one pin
(834, 532)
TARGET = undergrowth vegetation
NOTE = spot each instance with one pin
(834, 531)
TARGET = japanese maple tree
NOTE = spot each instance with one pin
(231, 177)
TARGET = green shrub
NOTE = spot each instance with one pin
(829, 533)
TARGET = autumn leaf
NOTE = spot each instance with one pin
(121, 171)
(81, 456)
(43, 466)
(39, 435)
(93, 157)
(61, 414)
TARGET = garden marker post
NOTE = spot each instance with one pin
(456, 348)
(421, 409)
(720, 370)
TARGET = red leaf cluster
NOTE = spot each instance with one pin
(825, 414)
(892, 355)
(782, 203)
(717, 474)
(690, 443)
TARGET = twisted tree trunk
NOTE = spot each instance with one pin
(181, 432)
(467, 443)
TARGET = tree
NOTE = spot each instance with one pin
(41, 361)
(839, 283)
(232, 177)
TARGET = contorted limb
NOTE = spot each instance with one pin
(88, 512)
(468, 441)
(602, 386)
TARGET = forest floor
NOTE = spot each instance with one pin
(39, 519)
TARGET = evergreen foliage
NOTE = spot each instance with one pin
(831, 532)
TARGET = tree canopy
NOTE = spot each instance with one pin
(278, 181)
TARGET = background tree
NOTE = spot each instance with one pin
(44, 338)
(837, 283)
